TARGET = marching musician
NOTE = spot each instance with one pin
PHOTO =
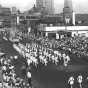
(80, 80)
(66, 59)
(71, 81)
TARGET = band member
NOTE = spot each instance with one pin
(80, 80)
(66, 59)
(71, 81)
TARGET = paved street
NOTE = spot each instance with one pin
(7, 47)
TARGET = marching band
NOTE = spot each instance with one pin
(33, 52)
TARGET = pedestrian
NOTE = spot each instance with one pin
(29, 78)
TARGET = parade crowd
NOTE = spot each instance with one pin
(36, 54)
(43, 49)
(75, 45)
(9, 78)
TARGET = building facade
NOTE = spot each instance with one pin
(47, 6)
(68, 12)
(5, 17)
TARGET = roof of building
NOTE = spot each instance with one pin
(81, 19)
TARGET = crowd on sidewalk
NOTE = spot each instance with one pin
(9, 78)
(43, 50)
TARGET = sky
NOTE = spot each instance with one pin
(79, 6)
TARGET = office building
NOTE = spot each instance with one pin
(5, 17)
(46, 6)
(68, 12)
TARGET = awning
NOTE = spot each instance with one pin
(2, 54)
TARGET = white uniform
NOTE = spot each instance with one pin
(4, 77)
(66, 60)
(5, 62)
(15, 57)
(29, 62)
(11, 67)
(80, 79)
(28, 74)
(53, 58)
(4, 68)
(71, 80)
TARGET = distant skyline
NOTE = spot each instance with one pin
(79, 6)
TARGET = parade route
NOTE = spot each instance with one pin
(51, 76)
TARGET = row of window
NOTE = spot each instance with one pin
(28, 17)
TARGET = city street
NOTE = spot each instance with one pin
(43, 44)
(44, 77)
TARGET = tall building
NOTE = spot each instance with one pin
(13, 10)
(5, 17)
(47, 6)
(68, 11)
(68, 4)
